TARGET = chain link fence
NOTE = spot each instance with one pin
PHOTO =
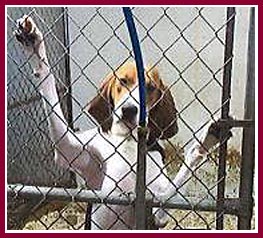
(189, 47)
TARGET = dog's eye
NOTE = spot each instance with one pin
(150, 88)
(124, 81)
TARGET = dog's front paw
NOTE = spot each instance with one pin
(212, 134)
(28, 34)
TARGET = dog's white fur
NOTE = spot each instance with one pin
(106, 161)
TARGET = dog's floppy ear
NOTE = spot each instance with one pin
(101, 105)
(163, 115)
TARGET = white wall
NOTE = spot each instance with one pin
(95, 46)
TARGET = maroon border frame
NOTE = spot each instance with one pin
(118, 2)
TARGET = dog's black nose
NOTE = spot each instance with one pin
(129, 111)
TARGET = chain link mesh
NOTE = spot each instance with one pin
(179, 41)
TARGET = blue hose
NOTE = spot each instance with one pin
(139, 62)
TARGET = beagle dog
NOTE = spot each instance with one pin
(105, 157)
(116, 107)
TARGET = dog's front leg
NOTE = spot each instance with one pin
(209, 138)
(70, 150)
(33, 43)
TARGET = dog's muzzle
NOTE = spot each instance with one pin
(129, 113)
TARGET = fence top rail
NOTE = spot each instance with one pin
(236, 123)
(231, 205)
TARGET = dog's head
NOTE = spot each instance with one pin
(116, 107)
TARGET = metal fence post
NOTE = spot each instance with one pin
(226, 94)
(140, 189)
(248, 143)
(69, 114)
(140, 202)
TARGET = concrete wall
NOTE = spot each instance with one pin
(97, 49)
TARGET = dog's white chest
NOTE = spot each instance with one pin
(120, 166)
